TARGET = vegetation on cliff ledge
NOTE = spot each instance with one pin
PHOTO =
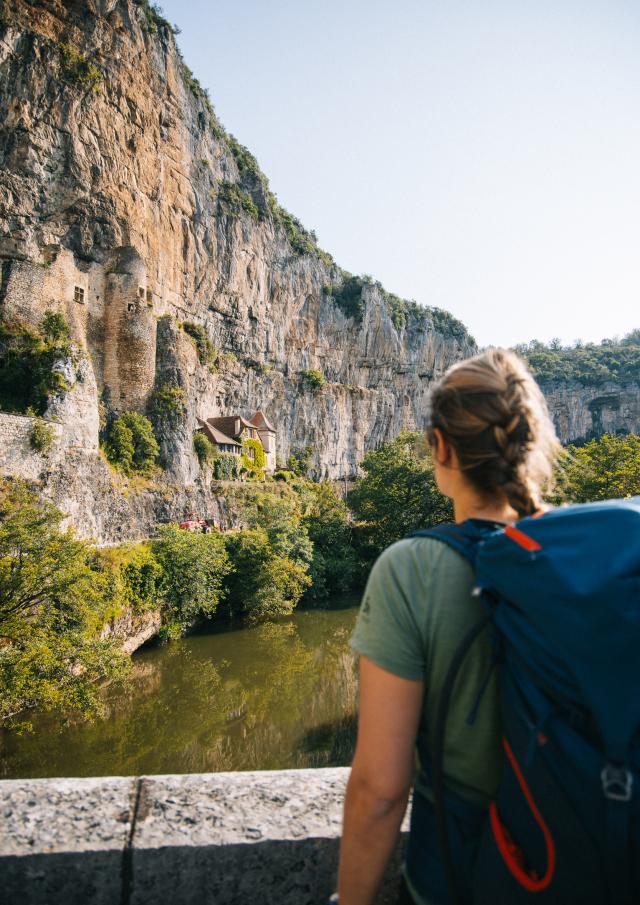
(78, 70)
(130, 444)
(587, 363)
(348, 296)
(30, 364)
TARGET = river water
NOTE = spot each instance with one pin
(274, 696)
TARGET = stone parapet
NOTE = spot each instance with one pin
(193, 839)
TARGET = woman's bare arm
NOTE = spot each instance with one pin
(380, 780)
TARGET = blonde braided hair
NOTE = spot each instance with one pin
(494, 415)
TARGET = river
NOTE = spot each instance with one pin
(269, 697)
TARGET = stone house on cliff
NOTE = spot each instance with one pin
(227, 432)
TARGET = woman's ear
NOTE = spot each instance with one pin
(441, 448)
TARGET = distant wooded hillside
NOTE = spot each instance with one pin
(590, 363)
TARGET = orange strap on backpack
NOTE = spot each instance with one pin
(512, 854)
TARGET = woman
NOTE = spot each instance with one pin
(494, 449)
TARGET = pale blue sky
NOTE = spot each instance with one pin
(478, 155)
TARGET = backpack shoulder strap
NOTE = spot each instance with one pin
(463, 537)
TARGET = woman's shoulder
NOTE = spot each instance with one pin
(422, 555)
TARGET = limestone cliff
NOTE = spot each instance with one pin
(583, 411)
(124, 204)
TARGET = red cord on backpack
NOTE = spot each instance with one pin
(512, 855)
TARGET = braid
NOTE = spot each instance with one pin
(494, 415)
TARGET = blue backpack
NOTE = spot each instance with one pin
(563, 598)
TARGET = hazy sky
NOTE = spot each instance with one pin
(480, 156)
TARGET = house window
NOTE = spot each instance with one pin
(131, 306)
(149, 297)
(141, 291)
(78, 295)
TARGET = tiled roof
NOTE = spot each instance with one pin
(227, 424)
(216, 435)
(260, 420)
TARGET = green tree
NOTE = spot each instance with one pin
(335, 568)
(52, 607)
(281, 518)
(264, 584)
(194, 567)
(133, 577)
(397, 494)
(588, 363)
(603, 469)
(55, 329)
(300, 461)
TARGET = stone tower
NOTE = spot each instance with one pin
(130, 332)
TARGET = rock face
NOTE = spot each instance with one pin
(115, 210)
(581, 412)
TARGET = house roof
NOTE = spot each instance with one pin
(215, 434)
(259, 420)
(227, 424)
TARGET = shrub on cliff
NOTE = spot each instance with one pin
(232, 199)
(168, 407)
(41, 436)
(29, 375)
(314, 379)
(194, 568)
(155, 19)
(52, 605)
(348, 296)
(207, 352)
(78, 69)
(204, 449)
(131, 444)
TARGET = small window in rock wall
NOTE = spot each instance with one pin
(131, 306)
(78, 295)
(141, 291)
(149, 296)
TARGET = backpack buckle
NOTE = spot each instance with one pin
(617, 783)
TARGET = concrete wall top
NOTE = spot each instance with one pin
(193, 839)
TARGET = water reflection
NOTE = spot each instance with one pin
(271, 697)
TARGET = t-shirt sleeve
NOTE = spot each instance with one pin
(386, 631)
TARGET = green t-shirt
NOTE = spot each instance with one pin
(417, 608)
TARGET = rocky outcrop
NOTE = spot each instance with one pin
(116, 209)
(131, 630)
(581, 412)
